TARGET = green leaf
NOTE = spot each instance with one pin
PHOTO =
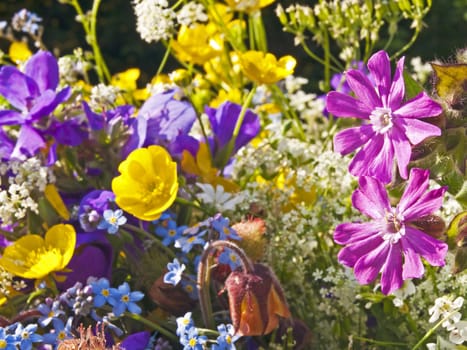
(412, 87)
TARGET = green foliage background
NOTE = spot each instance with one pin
(123, 48)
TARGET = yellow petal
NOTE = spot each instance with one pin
(54, 198)
(19, 51)
(63, 238)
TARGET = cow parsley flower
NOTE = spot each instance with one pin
(154, 20)
(390, 243)
(391, 126)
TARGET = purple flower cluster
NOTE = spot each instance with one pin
(390, 243)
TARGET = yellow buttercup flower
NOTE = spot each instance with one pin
(35, 257)
(148, 183)
(264, 68)
(197, 44)
(248, 5)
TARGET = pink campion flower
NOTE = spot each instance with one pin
(390, 243)
(390, 127)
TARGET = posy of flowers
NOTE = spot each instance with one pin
(222, 206)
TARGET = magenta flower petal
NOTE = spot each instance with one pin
(351, 232)
(391, 276)
(43, 68)
(375, 159)
(368, 266)
(363, 87)
(431, 249)
(396, 95)
(371, 198)
(388, 243)
(421, 106)
(350, 139)
(350, 254)
(417, 130)
(391, 119)
(380, 68)
(413, 267)
(415, 188)
(402, 150)
(343, 105)
(427, 204)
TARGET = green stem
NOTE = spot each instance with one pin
(230, 146)
(165, 58)
(166, 333)
(102, 70)
(319, 59)
(203, 278)
(145, 234)
(408, 45)
(378, 342)
(184, 201)
(327, 61)
(432, 330)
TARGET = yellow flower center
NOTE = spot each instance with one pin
(172, 233)
(228, 339)
(113, 220)
(105, 292)
(25, 335)
(154, 190)
(61, 335)
(44, 256)
(125, 298)
(226, 230)
(192, 342)
(3, 344)
(189, 288)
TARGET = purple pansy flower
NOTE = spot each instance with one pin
(392, 126)
(390, 243)
(33, 96)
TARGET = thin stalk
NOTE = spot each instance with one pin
(378, 342)
(327, 61)
(432, 330)
(102, 70)
(165, 58)
(230, 146)
(166, 333)
(408, 45)
(203, 278)
(318, 59)
(145, 234)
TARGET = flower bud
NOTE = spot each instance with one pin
(256, 301)
(170, 298)
(252, 233)
(430, 224)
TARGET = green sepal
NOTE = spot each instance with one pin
(412, 87)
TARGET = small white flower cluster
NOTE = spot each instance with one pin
(155, 21)
(191, 13)
(103, 96)
(448, 310)
(23, 180)
(71, 67)
(309, 106)
(422, 71)
(7, 283)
